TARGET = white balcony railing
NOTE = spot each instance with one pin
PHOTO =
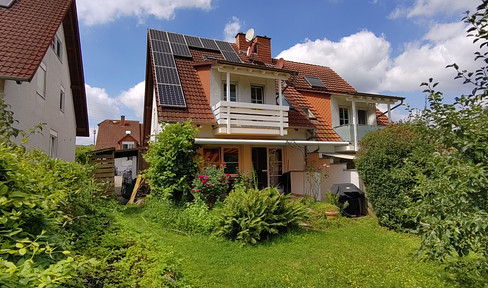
(249, 118)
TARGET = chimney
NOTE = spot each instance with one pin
(122, 120)
(263, 47)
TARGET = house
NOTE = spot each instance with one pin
(119, 134)
(296, 125)
(41, 72)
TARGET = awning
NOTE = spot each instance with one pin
(267, 142)
(338, 155)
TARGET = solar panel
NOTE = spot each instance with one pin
(171, 95)
(224, 46)
(163, 59)
(193, 41)
(180, 50)
(158, 35)
(166, 75)
(209, 44)
(176, 38)
(314, 81)
(160, 46)
(231, 56)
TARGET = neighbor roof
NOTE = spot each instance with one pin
(27, 29)
(111, 132)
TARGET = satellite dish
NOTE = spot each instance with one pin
(250, 35)
(280, 63)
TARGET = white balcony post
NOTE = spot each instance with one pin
(389, 113)
(355, 124)
(280, 100)
(227, 98)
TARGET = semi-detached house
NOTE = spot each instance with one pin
(282, 119)
(41, 72)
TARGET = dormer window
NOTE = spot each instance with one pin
(257, 94)
(233, 93)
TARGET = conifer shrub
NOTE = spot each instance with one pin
(250, 215)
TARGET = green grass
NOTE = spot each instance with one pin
(359, 254)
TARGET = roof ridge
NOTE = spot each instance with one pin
(317, 65)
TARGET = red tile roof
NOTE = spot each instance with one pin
(27, 29)
(111, 132)
(382, 120)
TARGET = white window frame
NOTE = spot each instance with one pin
(62, 99)
(128, 143)
(224, 96)
(57, 47)
(255, 100)
(41, 80)
(344, 120)
(53, 144)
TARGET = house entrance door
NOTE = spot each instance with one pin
(260, 165)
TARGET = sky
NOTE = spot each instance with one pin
(378, 46)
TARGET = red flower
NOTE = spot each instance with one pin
(227, 175)
(200, 177)
(192, 191)
(206, 177)
(204, 181)
(223, 164)
(212, 185)
(198, 190)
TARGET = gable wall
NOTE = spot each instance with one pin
(31, 109)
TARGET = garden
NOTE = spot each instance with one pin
(426, 179)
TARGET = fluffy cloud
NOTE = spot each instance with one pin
(231, 29)
(361, 58)
(100, 105)
(93, 12)
(365, 60)
(134, 99)
(434, 7)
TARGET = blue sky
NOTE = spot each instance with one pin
(378, 46)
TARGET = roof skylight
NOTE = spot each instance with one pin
(6, 3)
(314, 82)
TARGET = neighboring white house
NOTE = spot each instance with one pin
(292, 123)
(41, 72)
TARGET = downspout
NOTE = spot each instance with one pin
(396, 106)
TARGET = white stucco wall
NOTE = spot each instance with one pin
(31, 109)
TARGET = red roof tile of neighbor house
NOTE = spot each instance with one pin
(381, 120)
(112, 132)
(27, 29)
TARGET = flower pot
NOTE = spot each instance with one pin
(332, 214)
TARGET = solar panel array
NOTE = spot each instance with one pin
(314, 82)
(166, 45)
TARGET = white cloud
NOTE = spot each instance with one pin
(134, 98)
(365, 61)
(361, 59)
(93, 12)
(434, 7)
(100, 105)
(231, 29)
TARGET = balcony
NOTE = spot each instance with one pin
(346, 132)
(238, 118)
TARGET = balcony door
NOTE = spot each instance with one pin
(260, 165)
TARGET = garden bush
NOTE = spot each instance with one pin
(388, 163)
(250, 215)
(172, 162)
(211, 185)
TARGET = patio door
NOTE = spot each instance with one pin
(260, 165)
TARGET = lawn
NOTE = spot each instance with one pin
(358, 254)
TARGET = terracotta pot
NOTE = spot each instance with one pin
(332, 214)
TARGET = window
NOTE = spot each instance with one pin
(61, 99)
(362, 117)
(233, 94)
(309, 113)
(53, 144)
(41, 80)
(57, 47)
(343, 116)
(257, 94)
(231, 160)
(211, 156)
(127, 145)
(275, 166)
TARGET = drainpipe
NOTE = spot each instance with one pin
(389, 110)
(228, 99)
(389, 113)
(355, 124)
